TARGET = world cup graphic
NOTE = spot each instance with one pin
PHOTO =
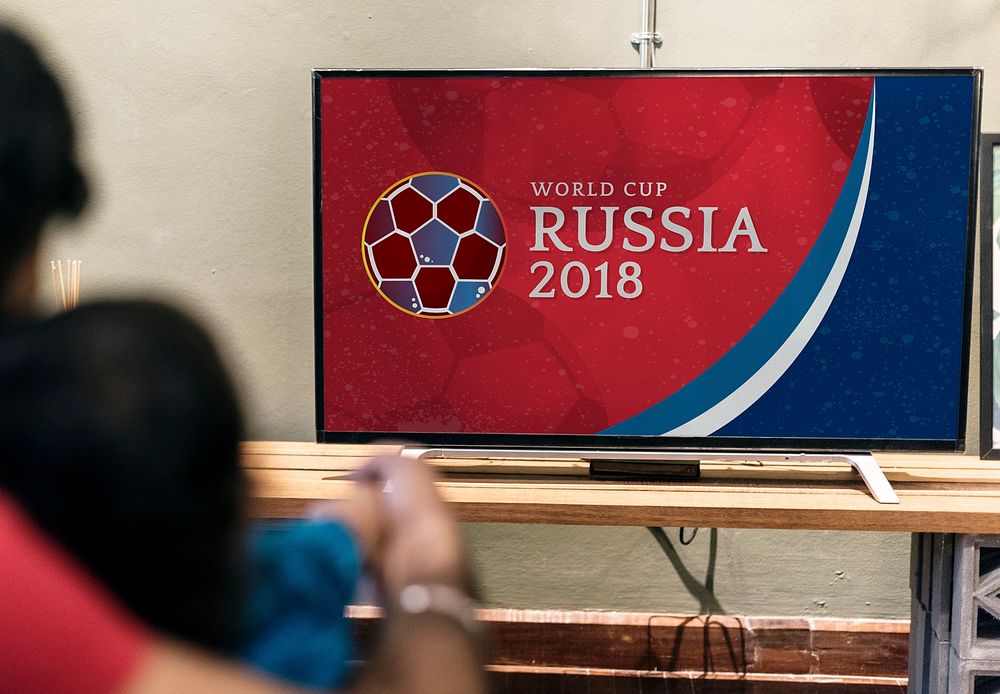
(434, 245)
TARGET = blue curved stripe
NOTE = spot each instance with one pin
(751, 353)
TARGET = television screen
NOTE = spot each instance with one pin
(735, 259)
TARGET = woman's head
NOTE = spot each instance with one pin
(118, 432)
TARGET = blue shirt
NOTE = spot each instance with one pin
(303, 574)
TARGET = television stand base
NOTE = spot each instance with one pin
(677, 464)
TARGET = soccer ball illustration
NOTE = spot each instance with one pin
(434, 245)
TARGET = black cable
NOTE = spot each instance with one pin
(694, 534)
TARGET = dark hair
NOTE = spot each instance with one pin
(119, 430)
(39, 176)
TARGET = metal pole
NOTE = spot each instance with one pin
(646, 38)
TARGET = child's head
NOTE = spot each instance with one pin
(118, 433)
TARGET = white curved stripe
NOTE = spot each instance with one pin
(727, 409)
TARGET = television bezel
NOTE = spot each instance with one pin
(652, 442)
(987, 443)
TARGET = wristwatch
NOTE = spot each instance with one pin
(441, 599)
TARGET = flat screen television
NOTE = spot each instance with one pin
(776, 259)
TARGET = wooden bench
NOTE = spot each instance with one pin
(939, 494)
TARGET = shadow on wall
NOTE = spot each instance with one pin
(733, 647)
(703, 592)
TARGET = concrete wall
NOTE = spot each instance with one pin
(195, 120)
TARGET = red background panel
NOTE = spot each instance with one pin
(778, 145)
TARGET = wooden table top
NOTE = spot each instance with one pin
(938, 492)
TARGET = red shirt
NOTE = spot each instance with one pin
(59, 631)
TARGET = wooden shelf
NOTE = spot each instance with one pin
(938, 493)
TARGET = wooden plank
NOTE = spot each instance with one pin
(764, 649)
(541, 680)
(285, 493)
(557, 681)
(901, 467)
(938, 493)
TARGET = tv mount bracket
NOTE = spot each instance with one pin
(864, 463)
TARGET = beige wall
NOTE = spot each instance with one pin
(196, 125)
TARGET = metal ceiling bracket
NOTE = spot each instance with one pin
(640, 37)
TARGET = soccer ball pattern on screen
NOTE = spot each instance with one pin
(434, 245)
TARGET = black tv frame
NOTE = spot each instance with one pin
(569, 441)
(987, 143)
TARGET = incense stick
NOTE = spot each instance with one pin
(67, 290)
(55, 290)
(62, 285)
(76, 289)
